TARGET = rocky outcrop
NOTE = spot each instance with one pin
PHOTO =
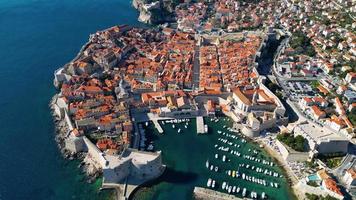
(155, 11)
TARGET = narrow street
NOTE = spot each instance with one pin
(196, 67)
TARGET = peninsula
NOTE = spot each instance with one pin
(207, 62)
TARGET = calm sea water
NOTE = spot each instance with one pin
(36, 37)
(186, 153)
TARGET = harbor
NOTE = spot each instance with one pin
(221, 160)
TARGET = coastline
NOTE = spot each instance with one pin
(292, 181)
(63, 132)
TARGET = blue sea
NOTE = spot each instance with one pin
(37, 37)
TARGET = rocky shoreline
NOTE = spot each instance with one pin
(155, 12)
(61, 133)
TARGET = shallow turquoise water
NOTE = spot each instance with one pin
(185, 155)
(37, 37)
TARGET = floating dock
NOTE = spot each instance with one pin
(158, 126)
(208, 194)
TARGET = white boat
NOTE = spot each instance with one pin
(209, 182)
(234, 189)
(146, 123)
(243, 176)
(207, 164)
(224, 158)
(244, 192)
(216, 156)
(219, 132)
(229, 172)
(216, 168)
(230, 188)
(211, 168)
(238, 190)
(276, 185)
(223, 185)
(205, 128)
(213, 184)
(185, 126)
(263, 195)
(173, 126)
(233, 174)
(179, 130)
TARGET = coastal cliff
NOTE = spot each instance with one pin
(155, 12)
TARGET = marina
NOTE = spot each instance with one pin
(221, 161)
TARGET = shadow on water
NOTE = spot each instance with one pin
(169, 176)
(173, 176)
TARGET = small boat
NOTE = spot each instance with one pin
(211, 168)
(229, 172)
(216, 156)
(213, 184)
(185, 126)
(209, 182)
(233, 173)
(244, 192)
(276, 185)
(237, 174)
(263, 195)
(224, 158)
(234, 189)
(216, 168)
(207, 164)
(238, 190)
(230, 188)
(146, 123)
(223, 185)
(179, 130)
(173, 126)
